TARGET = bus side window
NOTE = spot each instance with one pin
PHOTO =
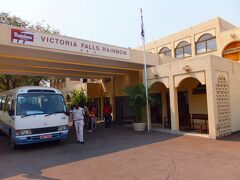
(1, 103)
(5, 104)
(13, 105)
(9, 102)
(12, 111)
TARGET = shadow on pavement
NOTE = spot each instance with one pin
(233, 137)
(31, 159)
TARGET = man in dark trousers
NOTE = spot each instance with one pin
(107, 114)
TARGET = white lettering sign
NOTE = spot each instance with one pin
(19, 36)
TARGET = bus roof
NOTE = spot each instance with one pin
(27, 89)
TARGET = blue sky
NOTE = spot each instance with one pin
(118, 22)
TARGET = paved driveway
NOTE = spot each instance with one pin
(120, 153)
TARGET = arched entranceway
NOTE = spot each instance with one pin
(160, 108)
(192, 106)
(232, 51)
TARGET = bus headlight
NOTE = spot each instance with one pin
(62, 128)
(23, 132)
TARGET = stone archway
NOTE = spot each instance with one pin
(160, 109)
(192, 106)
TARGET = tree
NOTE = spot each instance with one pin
(78, 97)
(8, 81)
(6, 18)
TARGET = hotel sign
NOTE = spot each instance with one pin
(232, 50)
(38, 39)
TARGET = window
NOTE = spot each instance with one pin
(183, 50)
(40, 103)
(8, 103)
(84, 80)
(2, 103)
(206, 43)
(13, 105)
(166, 51)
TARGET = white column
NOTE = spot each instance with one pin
(173, 105)
(211, 105)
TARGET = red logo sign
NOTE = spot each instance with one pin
(21, 36)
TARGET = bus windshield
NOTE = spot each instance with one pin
(39, 103)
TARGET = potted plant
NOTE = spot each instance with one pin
(137, 101)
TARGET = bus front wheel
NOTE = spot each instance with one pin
(12, 142)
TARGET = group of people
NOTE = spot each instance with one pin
(86, 117)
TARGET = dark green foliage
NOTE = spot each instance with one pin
(78, 97)
(8, 82)
(137, 101)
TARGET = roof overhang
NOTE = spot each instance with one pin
(41, 57)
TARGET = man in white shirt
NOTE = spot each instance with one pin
(78, 118)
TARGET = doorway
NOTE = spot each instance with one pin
(156, 108)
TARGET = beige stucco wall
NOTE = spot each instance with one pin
(227, 37)
(71, 85)
(207, 70)
(120, 82)
(172, 74)
(203, 67)
(231, 70)
(198, 104)
(217, 27)
(190, 35)
(95, 90)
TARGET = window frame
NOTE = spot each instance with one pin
(164, 53)
(183, 51)
(205, 43)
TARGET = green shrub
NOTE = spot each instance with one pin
(78, 97)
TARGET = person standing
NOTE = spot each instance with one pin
(78, 118)
(107, 114)
(92, 116)
(86, 118)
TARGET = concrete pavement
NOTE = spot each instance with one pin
(120, 153)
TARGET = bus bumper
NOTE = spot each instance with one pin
(37, 138)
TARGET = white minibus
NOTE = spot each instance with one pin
(33, 114)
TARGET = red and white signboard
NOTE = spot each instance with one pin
(20, 36)
(38, 39)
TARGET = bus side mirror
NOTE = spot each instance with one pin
(10, 112)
